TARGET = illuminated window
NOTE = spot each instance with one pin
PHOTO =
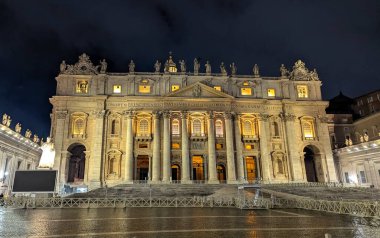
(302, 91)
(218, 88)
(308, 129)
(246, 91)
(247, 128)
(144, 127)
(116, 88)
(175, 87)
(175, 127)
(78, 127)
(219, 146)
(245, 83)
(271, 92)
(197, 127)
(219, 128)
(144, 88)
(82, 87)
(176, 146)
(172, 68)
(248, 146)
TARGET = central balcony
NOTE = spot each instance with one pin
(198, 137)
(143, 137)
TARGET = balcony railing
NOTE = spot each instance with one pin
(198, 136)
(250, 138)
(143, 137)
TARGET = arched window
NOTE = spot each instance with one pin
(197, 127)
(247, 128)
(175, 127)
(144, 127)
(219, 128)
(78, 126)
(112, 165)
(308, 129)
(280, 166)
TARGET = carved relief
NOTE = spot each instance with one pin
(301, 73)
(84, 66)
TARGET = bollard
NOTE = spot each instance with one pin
(327, 235)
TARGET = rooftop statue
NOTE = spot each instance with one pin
(28, 133)
(301, 73)
(62, 67)
(223, 69)
(233, 68)
(183, 66)
(18, 128)
(166, 66)
(103, 66)
(157, 67)
(5, 119)
(208, 68)
(9, 120)
(83, 66)
(197, 65)
(284, 72)
(131, 67)
(255, 70)
(36, 139)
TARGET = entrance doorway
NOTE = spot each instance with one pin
(142, 167)
(309, 160)
(76, 164)
(176, 172)
(221, 170)
(250, 164)
(198, 173)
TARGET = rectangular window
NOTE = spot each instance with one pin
(248, 146)
(176, 146)
(362, 177)
(82, 86)
(116, 88)
(302, 91)
(347, 177)
(144, 88)
(175, 88)
(246, 91)
(271, 92)
(218, 88)
(219, 146)
(143, 146)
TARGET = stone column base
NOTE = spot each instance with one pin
(213, 182)
(127, 182)
(154, 182)
(94, 185)
(232, 182)
(186, 181)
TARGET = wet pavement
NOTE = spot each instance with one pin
(180, 222)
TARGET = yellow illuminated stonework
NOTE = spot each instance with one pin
(176, 146)
(271, 92)
(144, 88)
(116, 88)
(302, 91)
(175, 87)
(308, 129)
(82, 86)
(218, 88)
(246, 91)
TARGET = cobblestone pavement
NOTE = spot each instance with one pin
(180, 222)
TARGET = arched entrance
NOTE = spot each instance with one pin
(310, 168)
(142, 167)
(176, 172)
(198, 173)
(76, 163)
(250, 165)
(221, 170)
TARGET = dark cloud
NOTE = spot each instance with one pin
(339, 38)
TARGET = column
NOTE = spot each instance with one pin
(212, 178)
(59, 161)
(239, 151)
(231, 173)
(185, 174)
(156, 149)
(166, 150)
(95, 174)
(295, 165)
(264, 152)
(129, 148)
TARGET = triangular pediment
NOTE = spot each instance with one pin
(198, 90)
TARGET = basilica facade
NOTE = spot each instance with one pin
(173, 126)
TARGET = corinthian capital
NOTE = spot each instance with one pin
(184, 114)
(228, 115)
(98, 113)
(264, 117)
(210, 115)
(61, 114)
(287, 116)
(129, 113)
(166, 114)
(323, 119)
(157, 114)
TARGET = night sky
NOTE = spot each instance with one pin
(339, 38)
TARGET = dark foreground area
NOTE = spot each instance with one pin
(180, 222)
